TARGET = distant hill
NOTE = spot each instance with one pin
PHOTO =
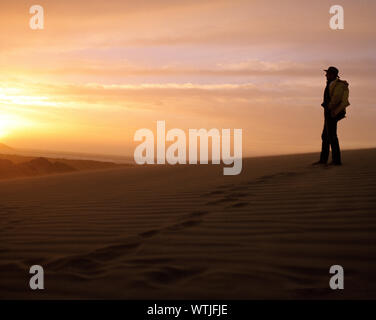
(34, 167)
(14, 166)
(40, 166)
(4, 148)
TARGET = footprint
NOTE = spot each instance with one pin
(291, 174)
(197, 214)
(212, 193)
(150, 233)
(238, 194)
(216, 192)
(238, 188)
(183, 225)
(171, 274)
(149, 261)
(113, 251)
(240, 204)
(222, 200)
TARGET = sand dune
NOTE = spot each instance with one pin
(5, 149)
(16, 166)
(190, 232)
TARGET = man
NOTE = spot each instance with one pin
(335, 102)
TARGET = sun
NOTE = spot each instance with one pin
(10, 123)
(4, 128)
(3, 133)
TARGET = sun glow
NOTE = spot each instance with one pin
(16, 96)
(10, 123)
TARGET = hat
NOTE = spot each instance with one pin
(332, 70)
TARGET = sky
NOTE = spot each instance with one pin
(101, 70)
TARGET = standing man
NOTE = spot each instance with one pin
(335, 102)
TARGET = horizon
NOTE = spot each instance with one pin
(96, 156)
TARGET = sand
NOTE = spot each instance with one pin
(176, 232)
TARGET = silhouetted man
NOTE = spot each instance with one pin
(335, 102)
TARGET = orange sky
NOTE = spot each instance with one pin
(100, 71)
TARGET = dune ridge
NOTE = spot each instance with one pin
(5, 148)
(16, 166)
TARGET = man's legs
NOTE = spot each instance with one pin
(331, 125)
(325, 144)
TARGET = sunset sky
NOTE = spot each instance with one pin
(100, 70)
